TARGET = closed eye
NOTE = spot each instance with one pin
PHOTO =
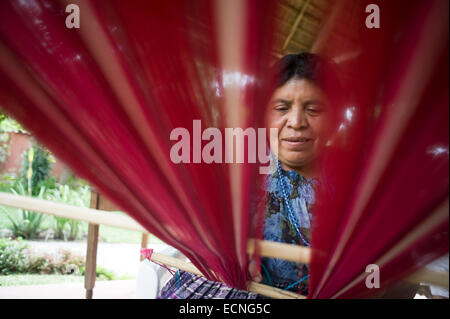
(282, 108)
(282, 105)
(314, 111)
(314, 107)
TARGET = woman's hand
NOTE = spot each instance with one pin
(255, 274)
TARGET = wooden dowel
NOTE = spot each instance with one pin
(431, 277)
(89, 215)
(176, 263)
(251, 286)
(144, 243)
(272, 292)
(278, 250)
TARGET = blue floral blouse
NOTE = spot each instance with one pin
(276, 272)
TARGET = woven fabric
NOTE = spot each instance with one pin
(189, 286)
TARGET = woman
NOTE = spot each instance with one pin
(301, 111)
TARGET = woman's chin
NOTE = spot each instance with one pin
(294, 160)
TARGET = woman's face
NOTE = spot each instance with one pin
(300, 111)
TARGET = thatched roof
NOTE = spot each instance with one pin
(298, 23)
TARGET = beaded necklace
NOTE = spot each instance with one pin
(287, 203)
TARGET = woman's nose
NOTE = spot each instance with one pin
(297, 119)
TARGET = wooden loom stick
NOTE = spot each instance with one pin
(278, 250)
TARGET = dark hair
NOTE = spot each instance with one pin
(307, 66)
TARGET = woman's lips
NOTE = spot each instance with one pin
(296, 143)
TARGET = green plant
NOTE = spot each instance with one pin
(62, 262)
(74, 229)
(26, 224)
(60, 226)
(60, 222)
(75, 183)
(76, 197)
(7, 125)
(104, 274)
(16, 257)
(4, 146)
(7, 182)
(71, 263)
(36, 168)
(12, 256)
